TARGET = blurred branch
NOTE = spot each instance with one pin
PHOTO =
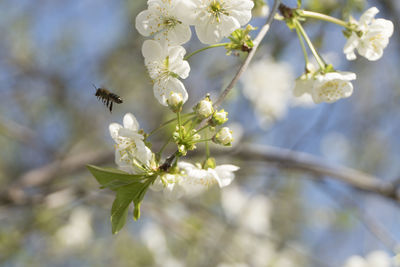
(37, 177)
(17, 131)
(315, 165)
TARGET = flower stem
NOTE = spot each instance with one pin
(178, 114)
(303, 47)
(320, 62)
(204, 48)
(316, 15)
(166, 123)
(207, 150)
(201, 140)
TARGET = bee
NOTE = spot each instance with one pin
(107, 97)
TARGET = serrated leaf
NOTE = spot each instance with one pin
(113, 178)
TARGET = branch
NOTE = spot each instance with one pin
(263, 32)
(312, 164)
(45, 174)
(260, 36)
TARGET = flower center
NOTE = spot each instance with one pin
(332, 90)
(216, 8)
(171, 22)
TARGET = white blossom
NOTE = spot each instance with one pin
(370, 38)
(78, 231)
(224, 136)
(192, 179)
(328, 87)
(216, 19)
(165, 65)
(373, 259)
(268, 85)
(161, 19)
(131, 154)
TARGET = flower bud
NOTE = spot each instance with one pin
(182, 150)
(204, 108)
(175, 102)
(220, 117)
(223, 137)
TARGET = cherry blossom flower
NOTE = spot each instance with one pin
(216, 19)
(165, 65)
(328, 87)
(268, 85)
(131, 154)
(192, 179)
(161, 19)
(370, 38)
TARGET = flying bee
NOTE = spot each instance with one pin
(107, 97)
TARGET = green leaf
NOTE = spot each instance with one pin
(119, 210)
(298, 3)
(113, 178)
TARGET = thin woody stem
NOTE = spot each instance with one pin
(260, 36)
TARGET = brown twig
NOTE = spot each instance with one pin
(312, 164)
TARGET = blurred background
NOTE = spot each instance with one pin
(52, 212)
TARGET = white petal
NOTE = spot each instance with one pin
(187, 11)
(229, 24)
(114, 129)
(384, 26)
(146, 24)
(153, 51)
(368, 15)
(178, 35)
(130, 122)
(163, 88)
(350, 46)
(241, 10)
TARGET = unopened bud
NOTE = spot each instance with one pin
(204, 108)
(223, 137)
(175, 101)
(220, 117)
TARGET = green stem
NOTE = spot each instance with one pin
(310, 45)
(166, 123)
(204, 48)
(316, 15)
(201, 129)
(201, 140)
(303, 47)
(207, 150)
(178, 114)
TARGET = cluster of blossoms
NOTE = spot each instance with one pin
(168, 22)
(134, 157)
(369, 36)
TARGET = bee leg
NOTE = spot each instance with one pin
(111, 104)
